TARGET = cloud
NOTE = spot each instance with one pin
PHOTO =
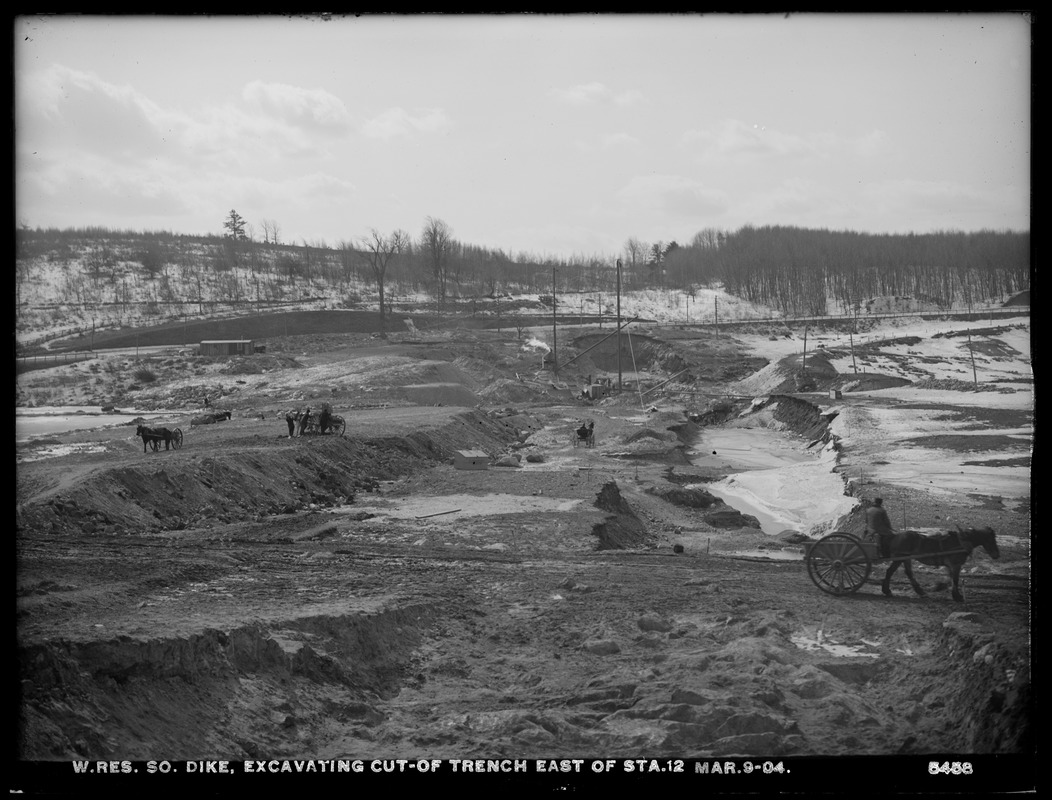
(734, 140)
(59, 107)
(595, 92)
(312, 109)
(398, 122)
(913, 204)
(62, 112)
(618, 140)
(672, 194)
(609, 141)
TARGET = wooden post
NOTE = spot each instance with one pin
(555, 344)
(975, 379)
(804, 362)
(619, 325)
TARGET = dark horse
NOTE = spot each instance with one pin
(153, 437)
(948, 550)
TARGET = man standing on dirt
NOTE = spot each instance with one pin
(303, 420)
(290, 419)
(878, 526)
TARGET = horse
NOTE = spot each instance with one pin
(153, 437)
(210, 419)
(950, 550)
(586, 435)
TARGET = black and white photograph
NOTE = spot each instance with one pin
(551, 401)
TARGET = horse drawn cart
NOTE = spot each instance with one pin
(153, 437)
(841, 563)
(337, 425)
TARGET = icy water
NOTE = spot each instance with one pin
(33, 422)
(777, 479)
(747, 449)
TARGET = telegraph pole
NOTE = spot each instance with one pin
(619, 324)
(555, 344)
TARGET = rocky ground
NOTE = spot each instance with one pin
(252, 596)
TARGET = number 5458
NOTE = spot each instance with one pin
(950, 768)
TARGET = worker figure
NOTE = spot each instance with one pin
(878, 526)
(303, 420)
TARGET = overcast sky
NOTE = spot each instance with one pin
(554, 135)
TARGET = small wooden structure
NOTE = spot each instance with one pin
(835, 394)
(470, 459)
(228, 347)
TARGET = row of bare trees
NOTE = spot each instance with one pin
(795, 270)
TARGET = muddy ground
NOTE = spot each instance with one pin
(252, 596)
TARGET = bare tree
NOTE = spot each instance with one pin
(379, 250)
(270, 231)
(438, 243)
(635, 255)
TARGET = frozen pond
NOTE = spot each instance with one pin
(747, 449)
(779, 481)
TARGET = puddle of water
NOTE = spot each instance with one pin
(63, 419)
(774, 555)
(458, 506)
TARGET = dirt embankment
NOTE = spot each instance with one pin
(256, 478)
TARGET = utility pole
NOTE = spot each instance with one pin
(975, 378)
(803, 363)
(854, 330)
(555, 343)
(619, 325)
(716, 302)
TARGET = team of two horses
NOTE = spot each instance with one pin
(152, 437)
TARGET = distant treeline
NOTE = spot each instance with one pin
(797, 270)
(794, 270)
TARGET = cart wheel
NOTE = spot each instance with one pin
(339, 426)
(177, 438)
(838, 564)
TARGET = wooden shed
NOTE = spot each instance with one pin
(227, 347)
(470, 459)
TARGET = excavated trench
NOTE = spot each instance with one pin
(722, 680)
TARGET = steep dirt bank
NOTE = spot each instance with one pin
(251, 476)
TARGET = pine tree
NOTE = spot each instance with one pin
(235, 226)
